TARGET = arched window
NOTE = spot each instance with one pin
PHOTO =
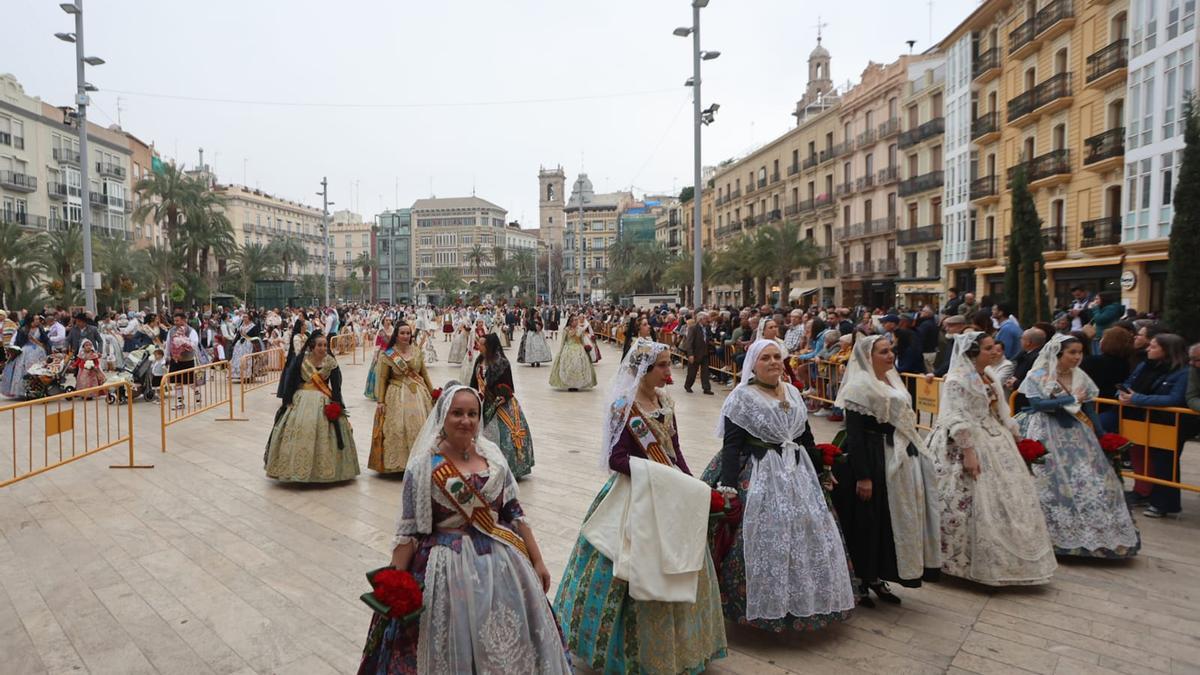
(550, 192)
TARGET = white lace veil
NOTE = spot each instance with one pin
(888, 402)
(1043, 376)
(623, 389)
(745, 406)
(961, 364)
(420, 463)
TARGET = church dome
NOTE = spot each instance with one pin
(818, 52)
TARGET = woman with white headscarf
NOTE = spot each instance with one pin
(463, 535)
(1080, 493)
(785, 567)
(886, 495)
(993, 530)
(605, 626)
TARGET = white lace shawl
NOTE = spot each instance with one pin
(622, 391)
(965, 400)
(745, 406)
(888, 402)
(1042, 380)
(416, 507)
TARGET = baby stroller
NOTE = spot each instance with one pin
(137, 372)
(49, 377)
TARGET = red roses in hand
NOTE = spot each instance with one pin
(396, 593)
(435, 394)
(830, 454)
(333, 411)
(1033, 452)
(1114, 444)
(716, 503)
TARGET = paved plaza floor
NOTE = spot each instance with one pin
(203, 565)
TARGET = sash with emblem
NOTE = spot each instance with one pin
(639, 428)
(471, 505)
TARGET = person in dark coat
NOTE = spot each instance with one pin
(696, 346)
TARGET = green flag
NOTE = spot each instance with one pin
(156, 165)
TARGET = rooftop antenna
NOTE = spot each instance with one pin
(910, 44)
(119, 109)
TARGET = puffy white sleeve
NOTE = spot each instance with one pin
(955, 413)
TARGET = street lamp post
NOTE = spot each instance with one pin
(325, 203)
(81, 102)
(700, 118)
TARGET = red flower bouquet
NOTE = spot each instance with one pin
(830, 454)
(668, 379)
(717, 503)
(1033, 452)
(333, 411)
(397, 594)
(1114, 444)
(436, 394)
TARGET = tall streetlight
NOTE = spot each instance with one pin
(325, 204)
(701, 117)
(81, 103)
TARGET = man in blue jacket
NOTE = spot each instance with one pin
(1009, 329)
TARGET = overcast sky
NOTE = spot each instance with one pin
(450, 94)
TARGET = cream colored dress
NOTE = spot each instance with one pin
(304, 444)
(573, 368)
(403, 385)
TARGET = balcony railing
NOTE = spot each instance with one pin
(1022, 35)
(18, 142)
(886, 266)
(933, 127)
(866, 138)
(23, 218)
(774, 215)
(734, 195)
(983, 187)
(107, 169)
(1100, 232)
(846, 188)
(793, 169)
(921, 183)
(1055, 11)
(1104, 146)
(865, 183)
(810, 162)
(844, 148)
(66, 155)
(823, 199)
(888, 175)
(775, 177)
(869, 228)
(98, 198)
(58, 190)
(19, 182)
(1053, 163)
(1111, 58)
(750, 187)
(982, 249)
(987, 123)
(889, 128)
(1052, 238)
(1056, 87)
(985, 61)
(762, 182)
(5, 138)
(919, 235)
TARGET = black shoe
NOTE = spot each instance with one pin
(885, 594)
(708, 393)
(1134, 499)
(687, 390)
(864, 598)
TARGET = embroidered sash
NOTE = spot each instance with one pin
(471, 505)
(321, 385)
(640, 429)
(406, 371)
(513, 422)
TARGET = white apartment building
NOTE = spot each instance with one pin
(1162, 75)
(958, 161)
(260, 218)
(349, 237)
(40, 176)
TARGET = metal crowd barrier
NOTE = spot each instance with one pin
(259, 369)
(343, 344)
(68, 427)
(187, 393)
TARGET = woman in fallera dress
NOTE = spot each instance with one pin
(248, 333)
(503, 421)
(463, 534)
(33, 342)
(405, 395)
(305, 446)
(533, 351)
(1081, 494)
(786, 569)
(458, 346)
(886, 492)
(606, 627)
(573, 369)
(993, 529)
(381, 339)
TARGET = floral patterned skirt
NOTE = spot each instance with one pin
(484, 612)
(534, 349)
(458, 349)
(369, 390)
(614, 633)
(509, 430)
(573, 368)
(731, 571)
(405, 410)
(303, 445)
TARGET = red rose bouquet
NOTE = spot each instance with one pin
(436, 394)
(717, 503)
(830, 454)
(333, 411)
(1033, 452)
(1116, 447)
(396, 593)
(668, 379)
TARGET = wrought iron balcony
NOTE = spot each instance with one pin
(23, 218)
(921, 183)
(750, 187)
(18, 182)
(889, 128)
(1111, 59)
(866, 138)
(1053, 89)
(1107, 145)
(66, 156)
(793, 169)
(775, 177)
(734, 195)
(982, 249)
(985, 62)
(791, 209)
(98, 198)
(762, 182)
(982, 188)
(931, 128)
(810, 162)
(1053, 239)
(1022, 35)
(774, 215)
(57, 190)
(888, 175)
(1100, 232)
(1057, 13)
(824, 199)
(844, 189)
(1053, 163)
(919, 235)
(887, 266)
(844, 148)
(985, 124)
(113, 170)
(865, 183)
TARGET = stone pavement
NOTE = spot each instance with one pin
(203, 565)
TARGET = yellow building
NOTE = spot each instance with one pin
(921, 148)
(1047, 81)
(591, 226)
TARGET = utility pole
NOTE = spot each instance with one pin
(697, 254)
(550, 271)
(535, 274)
(325, 230)
(579, 241)
(81, 103)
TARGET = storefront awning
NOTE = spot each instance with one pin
(1071, 263)
(797, 293)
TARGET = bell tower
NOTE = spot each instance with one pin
(820, 79)
(551, 203)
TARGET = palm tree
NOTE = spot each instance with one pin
(165, 198)
(367, 264)
(679, 273)
(781, 250)
(156, 268)
(118, 266)
(62, 256)
(352, 286)
(20, 260)
(522, 260)
(476, 258)
(446, 280)
(253, 262)
(733, 266)
(290, 252)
